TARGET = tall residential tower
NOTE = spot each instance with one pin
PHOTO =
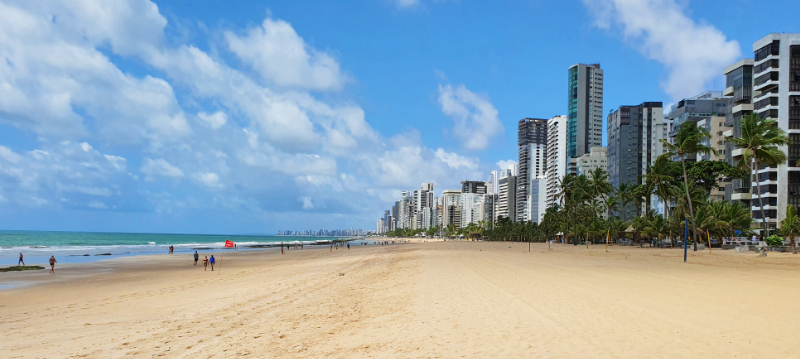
(633, 146)
(776, 95)
(532, 142)
(585, 109)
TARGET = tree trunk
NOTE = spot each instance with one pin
(760, 201)
(794, 247)
(689, 200)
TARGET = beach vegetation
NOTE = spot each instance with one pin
(20, 268)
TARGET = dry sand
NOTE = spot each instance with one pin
(426, 300)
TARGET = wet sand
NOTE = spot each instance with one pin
(421, 300)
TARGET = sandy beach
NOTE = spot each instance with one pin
(419, 300)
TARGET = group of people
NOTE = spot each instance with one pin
(206, 261)
(337, 245)
(52, 262)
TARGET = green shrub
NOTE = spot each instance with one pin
(774, 241)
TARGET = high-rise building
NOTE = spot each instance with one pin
(596, 158)
(405, 210)
(739, 87)
(381, 226)
(584, 109)
(715, 126)
(506, 202)
(475, 208)
(532, 143)
(697, 108)
(493, 179)
(423, 198)
(556, 157)
(473, 187)
(451, 208)
(633, 146)
(776, 95)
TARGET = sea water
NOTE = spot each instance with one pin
(78, 247)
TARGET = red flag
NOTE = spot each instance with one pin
(228, 244)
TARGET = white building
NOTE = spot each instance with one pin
(776, 95)
(451, 208)
(537, 199)
(596, 158)
(556, 157)
(381, 226)
(493, 178)
(506, 198)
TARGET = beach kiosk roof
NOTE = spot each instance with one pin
(630, 229)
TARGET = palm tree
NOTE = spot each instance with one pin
(688, 141)
(600, 187)
(660, 179)
(611, 203)
(790, 226)
(567, 188)
(697, 194)
(657, 226)
(625, 195)
(761, 140)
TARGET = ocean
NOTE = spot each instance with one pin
(80, 247)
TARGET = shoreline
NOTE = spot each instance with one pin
(94, 253)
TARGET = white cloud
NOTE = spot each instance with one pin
(92, 191)
(401, 4)
(9, 155)
(209, 179)
(692, 53)
(160, 167)
(454, 160)
(97, 205)
(281, 56)
(306, 202)
(506, 164)
(64, 169)
(53, 76)
(214, 120)
(476, 119)
(406, 163)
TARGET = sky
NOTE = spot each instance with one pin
(249, 117)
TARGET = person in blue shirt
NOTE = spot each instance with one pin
(212, 261)
(196, 257)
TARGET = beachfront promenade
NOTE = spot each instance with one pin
(421, 300)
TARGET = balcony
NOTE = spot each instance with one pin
(728, 133)
(742, 107)
(766, 81)
(739, 152)
(741, 196)
(728, 91)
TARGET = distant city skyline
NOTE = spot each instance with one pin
(245, 117)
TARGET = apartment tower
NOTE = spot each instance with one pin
(633, 146)
(776, 95)
(585, 109)
(532, 142)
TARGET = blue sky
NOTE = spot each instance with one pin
(252, 116)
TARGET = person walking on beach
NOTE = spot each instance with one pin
(53, 264)
(205, 263)
(196, 257)
(348, 246)
(20, 260)
(212, 261)
(281, 249)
